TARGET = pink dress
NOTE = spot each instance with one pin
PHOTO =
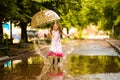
(56, 47)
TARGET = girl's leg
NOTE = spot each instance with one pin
(58, 59)
(53, 61)
(58, 62)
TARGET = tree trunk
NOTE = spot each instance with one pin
(23, 32)
(11, 38)
(113, 29)
(1, 31)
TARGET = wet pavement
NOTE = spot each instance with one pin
(95, 47)
(88, 60)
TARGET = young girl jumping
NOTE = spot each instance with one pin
(56, 47)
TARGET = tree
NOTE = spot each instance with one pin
(27, 9)
(111, 19)
(8, 9)
(80, 13)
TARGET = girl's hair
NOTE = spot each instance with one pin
(60, 30)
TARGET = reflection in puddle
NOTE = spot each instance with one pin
(24, 69)
(44, 71)
(88, 65)
(31, 68)
(55, 73)
(7, 64)
(78, 68)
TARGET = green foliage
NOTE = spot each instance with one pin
(104, 13)
(73, 13)
(111, 16)
(25, 10)
(8, 9)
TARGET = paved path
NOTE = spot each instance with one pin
(95, 47)
(86, 47)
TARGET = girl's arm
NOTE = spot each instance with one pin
(67, 35)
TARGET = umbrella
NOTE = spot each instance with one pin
(43, 17)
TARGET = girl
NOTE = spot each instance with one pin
(56, 47)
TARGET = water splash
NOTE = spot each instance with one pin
(68, 47)
(45, 69)
(37, 47)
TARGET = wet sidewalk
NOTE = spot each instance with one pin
(27, 51)
(16, 51)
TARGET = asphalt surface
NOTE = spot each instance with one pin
(91, 48)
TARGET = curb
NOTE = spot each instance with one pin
(4, 58)
(19, 53)
(116, 47)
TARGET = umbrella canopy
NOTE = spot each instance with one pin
(42, 17)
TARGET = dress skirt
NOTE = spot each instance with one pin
(56, 47)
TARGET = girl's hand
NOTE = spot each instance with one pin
(71, 34)
(67, 35)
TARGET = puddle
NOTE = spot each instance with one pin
(94, 67)
(78, 67)
(22, 69)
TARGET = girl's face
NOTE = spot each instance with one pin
(55, 27)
